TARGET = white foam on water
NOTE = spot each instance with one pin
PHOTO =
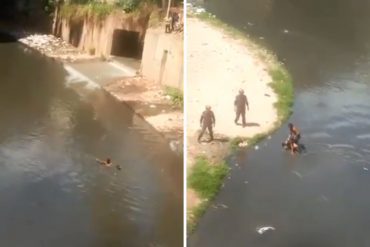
(340, 146)
(127, 70)
(364, 136)
(319, 135)
(297, 174)
(76, 77)
(262, 230)
(339, 124)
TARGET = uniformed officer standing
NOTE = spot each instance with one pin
(207, 121)
(240, 103)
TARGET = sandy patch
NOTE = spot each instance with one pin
(218, 66)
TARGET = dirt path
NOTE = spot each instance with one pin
(218, 66)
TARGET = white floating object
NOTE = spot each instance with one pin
(256, 147)
(366, 169)
(297, 174)
(243, 144)
(286, 31)
(324, 198)
(200, 10)
(245, 182)
(264, 229)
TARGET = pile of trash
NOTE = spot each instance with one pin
(52, 46)
(196, 10)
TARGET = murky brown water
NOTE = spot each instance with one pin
(320, 198)
(52, 192)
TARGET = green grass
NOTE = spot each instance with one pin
(194, 214)
(176, 95)
(283, 87)
(205, 178)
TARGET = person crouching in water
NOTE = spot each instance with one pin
(207, 121)
(292, 141)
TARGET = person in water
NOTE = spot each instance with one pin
(106, 162)
(293, 138)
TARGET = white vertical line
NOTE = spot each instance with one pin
(185, 119)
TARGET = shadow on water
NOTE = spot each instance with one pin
(320, 197)
(6, 38)
(52, 190)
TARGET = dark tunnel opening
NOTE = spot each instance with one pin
(126, 44)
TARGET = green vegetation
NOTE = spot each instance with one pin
(206, 179)
(81, 8)
(176, 95)
(95, 8)
(194, 214)
(283, 86)
(99, 10)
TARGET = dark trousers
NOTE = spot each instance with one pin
(210, 131)
(240, 111)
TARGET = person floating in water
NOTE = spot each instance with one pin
(292, 142)
(207, 121)
(240, 104)
(107, 162)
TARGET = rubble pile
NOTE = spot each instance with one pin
(52, 46)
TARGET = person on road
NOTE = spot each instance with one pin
(207, 121)
(240, 104)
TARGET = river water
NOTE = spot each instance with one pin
(52, 191)
(322, 197)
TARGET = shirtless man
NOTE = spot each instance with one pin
(107, 162)
(293, 138)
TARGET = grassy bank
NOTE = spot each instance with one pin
(281, 83)
(206, 179)
(176, 95)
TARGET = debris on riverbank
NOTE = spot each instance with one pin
(46, 44)
(54, 47)
(153, 104)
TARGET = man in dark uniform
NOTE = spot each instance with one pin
(240, 102)
(207, 121)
